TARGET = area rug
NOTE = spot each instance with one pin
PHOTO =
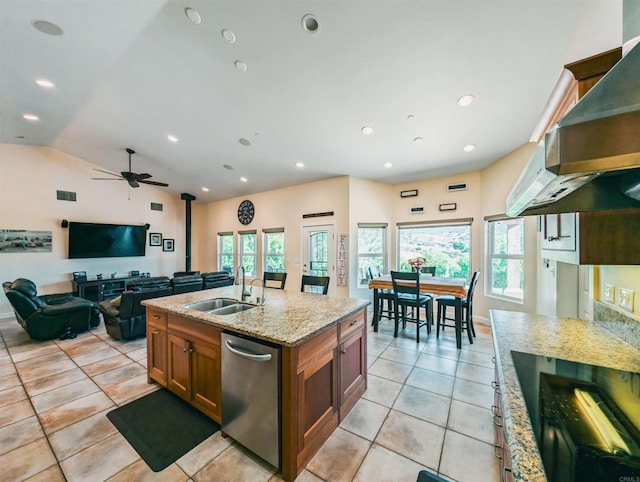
(162, 427)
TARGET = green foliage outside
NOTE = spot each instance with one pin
(274, 258)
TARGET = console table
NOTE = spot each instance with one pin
(101, 289)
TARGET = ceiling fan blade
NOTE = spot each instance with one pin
(154, 183)
(144, 175)
(133, 183)
(106, 172)
(108, 179)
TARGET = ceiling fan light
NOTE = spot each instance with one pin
(465, 100)
(172, 138)
(47, 84)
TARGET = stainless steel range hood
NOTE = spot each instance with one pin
(590, 161)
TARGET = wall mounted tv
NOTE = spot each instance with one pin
(92, 240)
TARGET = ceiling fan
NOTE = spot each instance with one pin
(134, 179)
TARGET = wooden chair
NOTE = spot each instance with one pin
(315, 282)
(279, 278)
(445, 301)
(406, 294)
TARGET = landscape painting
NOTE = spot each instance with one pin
(24, 241)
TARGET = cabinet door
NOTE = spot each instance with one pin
(559, 232)
(352, 366)
(178, 366)
(205, 378)
(156, 349)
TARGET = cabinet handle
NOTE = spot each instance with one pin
(495, 385)
(155, 332)
(493, 359)
(494, 409)
(343, 351)
(184, 350)
(495, 451)
(504, 473)
(156, 317)
(190, 350)
(495, 420)
(353, 322)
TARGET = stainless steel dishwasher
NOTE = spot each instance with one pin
(250, 395)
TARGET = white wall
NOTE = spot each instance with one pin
(29, 178)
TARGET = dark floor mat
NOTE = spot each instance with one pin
(162, 427)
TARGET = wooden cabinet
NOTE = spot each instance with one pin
(157, 346)
(352, 362)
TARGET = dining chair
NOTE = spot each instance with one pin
(428, 270)
(279, 280)
(383, 295)
(445, 301)
(406, 294)
(310, 284)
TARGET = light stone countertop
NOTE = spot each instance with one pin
(565, 338)
(288, 318)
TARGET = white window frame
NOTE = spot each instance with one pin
(266, 234)
(384, 254)
(492, 255)
(221, 237)
(242, 254)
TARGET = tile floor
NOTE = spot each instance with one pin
(427, 406)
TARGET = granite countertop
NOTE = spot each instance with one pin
(565, 338)
(288, 318)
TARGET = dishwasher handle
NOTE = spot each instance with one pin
(244, 354)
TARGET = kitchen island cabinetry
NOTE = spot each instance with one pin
(353, 361)
(157, 346)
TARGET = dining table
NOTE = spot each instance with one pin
(432, 285)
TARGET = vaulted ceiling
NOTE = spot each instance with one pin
(257, 86)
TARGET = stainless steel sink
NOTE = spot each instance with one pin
(231, 309)
(212, 304)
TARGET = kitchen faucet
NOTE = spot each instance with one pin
(261, 284)
(245, 293)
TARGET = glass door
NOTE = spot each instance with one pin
(318, 252)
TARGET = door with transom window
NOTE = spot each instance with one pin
(318, 252)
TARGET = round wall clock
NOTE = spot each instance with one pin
(245, 212)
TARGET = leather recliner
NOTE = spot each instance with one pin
(49, 316)
(186, 283)
(127, 319)
(216, 279)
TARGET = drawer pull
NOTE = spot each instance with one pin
(495, 451)
(353, 322)
(155, 332)
(156, 317)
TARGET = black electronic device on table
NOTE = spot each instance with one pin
(79, 276)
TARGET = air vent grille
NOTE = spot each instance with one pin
(461, 186)
(156, 206)
(66, 195)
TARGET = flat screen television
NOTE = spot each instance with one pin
(93, 240)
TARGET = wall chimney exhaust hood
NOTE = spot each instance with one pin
(590, 161)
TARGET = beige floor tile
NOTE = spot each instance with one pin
(9, 381)
(65, 415)
(424, 405)
(45, 371)
(41, 385)
(38, 361)
(65, 394)
(381, 390)
(482, 345)
(408, 357)
(126, 346)
(413, 438)
(139, 354)
(7, 368)
(477, 358)
(475, 373)
(15, 412)
(235, 464)
(205, 452)
(139, 471)
(474, 393)
(471, 420)
(443, 347)
(390, 370)
(87, 346)
(12, 395)
(365, 419)
(33, 349)
(113, 453)
(82, 434)
(52, 474)
(119, 375)
(480, 463)
(374, 349)
(444, 366)
(122, 393)
(19, 433)
(305, 476)
(340, 456)
(105, 351)
(5, 359)
(431, 381)
(371, 360)
(406, 339)
(27, 460)
(80, 343)
(383, 465)
(106, 364)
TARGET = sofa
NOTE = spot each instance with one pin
(216, 279)
(50, 316)
(124, 318)
(186, 283)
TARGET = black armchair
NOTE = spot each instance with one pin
(216, 279)
(186, 283)
(49, 316)
(126, 319)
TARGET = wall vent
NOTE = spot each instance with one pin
(461, 186)
(156, 206)
(66, 195)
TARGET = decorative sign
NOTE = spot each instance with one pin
(24, 241)
(411, 193)
(417, 210)
(457, 187)
(317, 215)
(343, 259)
(448, 207)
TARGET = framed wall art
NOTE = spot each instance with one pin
(155, 239)
(167, 245)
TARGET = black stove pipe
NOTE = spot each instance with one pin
(187, 198)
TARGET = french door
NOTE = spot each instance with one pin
(318, 252)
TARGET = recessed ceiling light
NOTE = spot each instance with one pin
(418, 140)
(205, 189)
(172, 138)
(241, 66)
(45, 83)
(469, 147)
(387, 165)
(299, 164)
(47, 27)
(465, 100)
(244, 142)
(411, 117)
(31, 117)
(310, 23)
(193, 15)
(228, 167)
(367, 130)
(228, 35)
(243, 179)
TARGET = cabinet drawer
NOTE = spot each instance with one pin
(157, 318)
(353, 323)
(193, 329)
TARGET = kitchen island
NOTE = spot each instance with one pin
(323, 369)
(570, 339)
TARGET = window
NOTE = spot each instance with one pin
(247, 252)
(372, 251)
(506, 258)
(273, 250)
(225, 252)
(445, 246)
